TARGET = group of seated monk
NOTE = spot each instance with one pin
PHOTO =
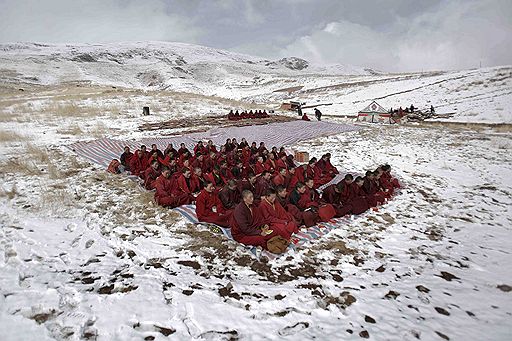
(235, 116)
(257, 193)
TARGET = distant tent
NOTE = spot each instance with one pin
(375, 113)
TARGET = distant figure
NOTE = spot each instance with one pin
(432, 110)
(391, 110)
(412, 108)
(299, 110)
(318, 114)
(305, 117)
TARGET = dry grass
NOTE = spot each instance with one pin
(99, 130)
(11, 136)
(73, 129)
(13, 192)
(37, 153)
(20, 165)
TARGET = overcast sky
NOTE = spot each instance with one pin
(392, 35)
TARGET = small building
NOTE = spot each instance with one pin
(375, 113)
(290, 106)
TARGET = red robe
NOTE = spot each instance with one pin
(332, 197)
(138, 165)
(246, 224)
(357, 199)
(183, 186)
(262, 185)
(229, 198)
(281, 164)
(278, 219)
(308, 215)
(205, 204)
(164, 193)
(279, 180)
(259, 168)
(150, 176)
(196, 183)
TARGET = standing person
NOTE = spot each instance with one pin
(299, 110)
(318, 114)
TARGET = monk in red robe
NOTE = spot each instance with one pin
(125, 158)
(184, 185)
(139, 162)
(154, 149)
(387, 181)
(215, 177)
(276, 216)
(262, 184)
(332, 195)
(151, 174)
(358, 198)
(283, 198)
(259, 166)
(209, 208)
(170, 150)
(280, 178)
(197, 181)
(300, 199)
(372, 190)
(292, 179)
(164, 190)
(183, 150)
(248, 225)
(281, 162)
(229, 195)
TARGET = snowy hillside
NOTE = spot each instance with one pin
(482, 95)
(153, 65)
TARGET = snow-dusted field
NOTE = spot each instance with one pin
(87, 255)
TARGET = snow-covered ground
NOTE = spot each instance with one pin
(87, 255)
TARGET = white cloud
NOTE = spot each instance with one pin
(454, 35)
(92, 21)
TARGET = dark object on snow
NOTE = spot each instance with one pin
(145, 111)
(318, 114)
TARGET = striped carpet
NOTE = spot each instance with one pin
(102, 151)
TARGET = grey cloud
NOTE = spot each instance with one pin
(393, 35)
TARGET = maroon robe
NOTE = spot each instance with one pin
(229, 197)
(164, 192)
(246, 224)
(205, 204)
(150, 176)
(278, 219)
(332, 197)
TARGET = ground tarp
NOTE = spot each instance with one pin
(102, 151)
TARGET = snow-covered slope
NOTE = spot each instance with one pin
(159, 65)
(481, 95)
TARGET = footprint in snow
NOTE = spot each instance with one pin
(290, 330)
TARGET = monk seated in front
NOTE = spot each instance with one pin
(209, 208)
(248, 225)
(276, 216)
